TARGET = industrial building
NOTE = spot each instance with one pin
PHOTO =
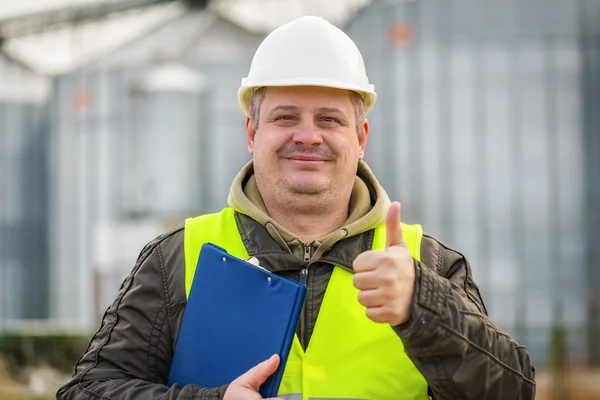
(486, 129)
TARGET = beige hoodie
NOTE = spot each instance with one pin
(368, 207)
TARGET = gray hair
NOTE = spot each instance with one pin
(259, 95)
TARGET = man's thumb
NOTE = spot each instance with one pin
(393, 231)
(257, 375)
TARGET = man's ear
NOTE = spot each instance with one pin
(363, 135)
(250, 133)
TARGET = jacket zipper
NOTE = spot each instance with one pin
(303, 279)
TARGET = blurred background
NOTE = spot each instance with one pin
(119, 118)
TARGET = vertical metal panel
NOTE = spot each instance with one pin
(590, 100)
(166, 142)
(497, 184)
(479, 134)
(23, 257)
(67, 197)
(83, 184)
(466, 129)
(226, 148)
(373, 46)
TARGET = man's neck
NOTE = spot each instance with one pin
(311, 222)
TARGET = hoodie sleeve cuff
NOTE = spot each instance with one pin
(427, 307)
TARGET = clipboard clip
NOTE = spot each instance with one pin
(254, 261)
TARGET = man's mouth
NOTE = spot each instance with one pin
(307, 158)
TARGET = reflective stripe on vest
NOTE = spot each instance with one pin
(348, 356)
(298, 396)
(293, 396)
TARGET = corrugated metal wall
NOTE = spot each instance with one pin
(479, 132)
(23, 213)
(227, 150)
(85, 168)
(23, 194)
(124, 150)
(591, 123)
(165, 145)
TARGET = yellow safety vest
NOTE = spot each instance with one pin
(348, 356)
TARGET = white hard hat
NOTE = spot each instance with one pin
(308, 51)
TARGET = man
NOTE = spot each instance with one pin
(390, 313)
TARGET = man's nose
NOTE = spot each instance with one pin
(308, 134)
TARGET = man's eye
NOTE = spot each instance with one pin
(329, 119)
(284, 118)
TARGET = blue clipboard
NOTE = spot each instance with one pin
(237, 315)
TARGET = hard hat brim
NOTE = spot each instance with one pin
(247, 89)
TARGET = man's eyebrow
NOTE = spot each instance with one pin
(329, 110)
(283, 107)
(295, 108)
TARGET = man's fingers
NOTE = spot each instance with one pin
(366, 280)
(392, 222)
(365, 261)
(370, 298)
(257, 375)
(376, 314)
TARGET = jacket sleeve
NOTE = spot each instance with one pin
(451, 340)
(129, 357)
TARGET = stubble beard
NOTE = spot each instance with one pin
(305, 198)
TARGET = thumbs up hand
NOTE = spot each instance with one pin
(386, 278)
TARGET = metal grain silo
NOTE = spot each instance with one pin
(23, 195)
(142, 138)
(164, 152)
(481, 130)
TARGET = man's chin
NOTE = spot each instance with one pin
(307, 188)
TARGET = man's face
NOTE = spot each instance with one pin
(306, 142)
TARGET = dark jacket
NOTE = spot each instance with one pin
(449, 338)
